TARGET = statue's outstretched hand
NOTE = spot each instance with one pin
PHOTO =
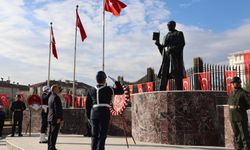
(157, 43)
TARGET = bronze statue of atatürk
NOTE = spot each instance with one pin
(171, 49)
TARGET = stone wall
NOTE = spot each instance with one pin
(187, 117)
(35, 121)
(226, 132)
(119, 123)
(224, 126)
(75, 122)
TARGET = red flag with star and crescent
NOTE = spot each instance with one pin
(53, 43)
(168, 87)
(68, 99)
(186, 84)
(80, 26)
(84, 98)
(139, 87)
(131, 89)
(4, 102)
(204, 79)
(149, 87)
(228, 77)
(114, 6)
(77, 101)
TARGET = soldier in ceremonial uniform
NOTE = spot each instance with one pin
(239, 102)
(17, 108)
(97, 106)
(44, 114)
(172, 57)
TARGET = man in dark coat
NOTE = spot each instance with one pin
(239, 102)
(97, 106)
(44, 114)
(2, 118)
(172, 57)
(55, 116)
(17, 108)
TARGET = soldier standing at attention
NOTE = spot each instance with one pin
(238, 104)
(44, 114)
(97, 106)
(17, 108)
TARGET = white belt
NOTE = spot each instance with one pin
(101, 105)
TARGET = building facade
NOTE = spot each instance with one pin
(241, 60)
(11, 89)
(67, 89)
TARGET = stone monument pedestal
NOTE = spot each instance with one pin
(177, 117)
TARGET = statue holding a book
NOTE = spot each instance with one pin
(171, 49)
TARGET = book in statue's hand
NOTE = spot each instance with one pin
(156, 36)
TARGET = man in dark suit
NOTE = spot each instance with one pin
(17, 108)
(172, 57)
(55, 116)
(2, 117)
(97, 106)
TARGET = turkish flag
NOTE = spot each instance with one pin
(84, 98)
(79, 25)
(247, 72)
(4, 100)
(78, 101)
(228, 77)
(68, 99)
(186, 84)
(149, 87)
(204, 79)
(131, 89)
(168, 86)
(114, 6)
(139, 87)
(53, 43)
(247, 65)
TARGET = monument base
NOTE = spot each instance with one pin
(177, 117)
(75, 122)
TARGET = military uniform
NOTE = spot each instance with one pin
(17, 108)
(44, 116)
(97, 106)
(238, 104)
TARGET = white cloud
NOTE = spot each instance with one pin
(130, 50)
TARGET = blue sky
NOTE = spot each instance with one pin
(213, 29)
(217, 15)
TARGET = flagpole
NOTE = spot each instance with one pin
(74, 71)
(103, 35)
(48, 81)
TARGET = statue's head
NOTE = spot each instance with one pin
(171, 25)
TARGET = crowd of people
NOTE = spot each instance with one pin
(97, 111)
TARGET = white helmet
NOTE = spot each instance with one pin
(46, 89)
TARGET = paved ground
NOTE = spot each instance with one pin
(3, 144)
(76, 142)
